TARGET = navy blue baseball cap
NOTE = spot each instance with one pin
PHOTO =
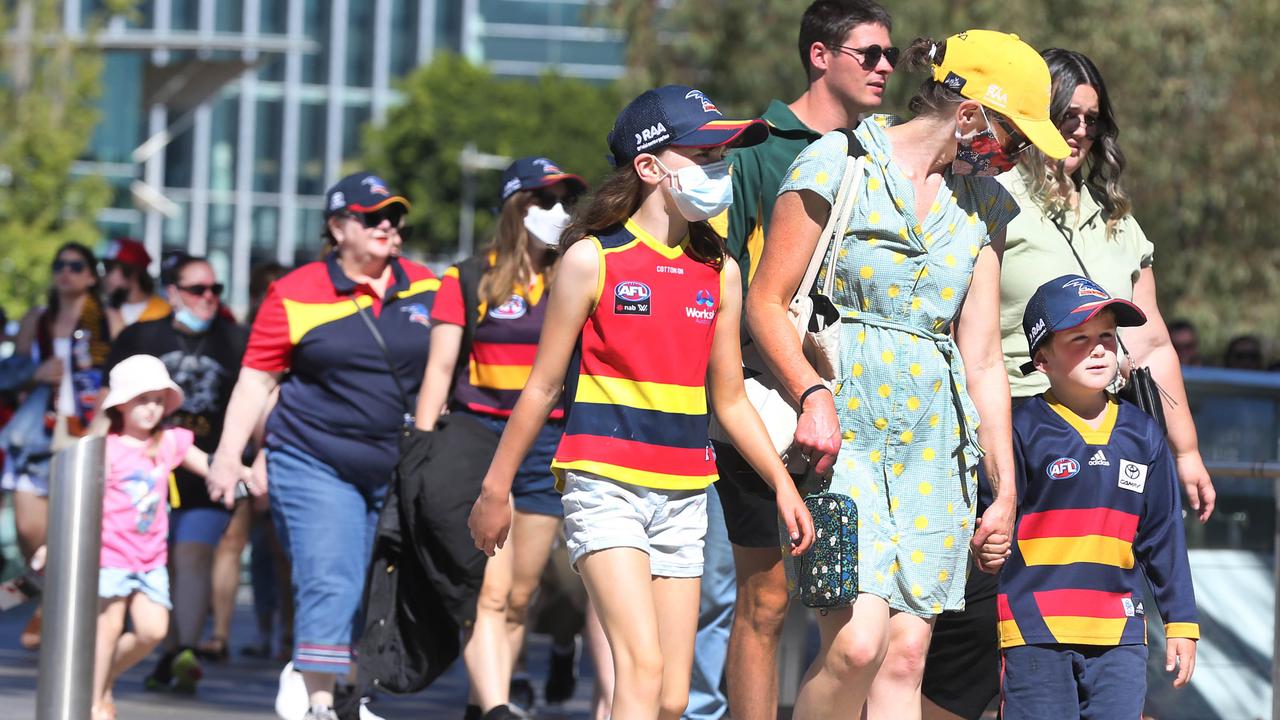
(531, 173)
(681, 116)
(1066, 302)
(360, 192)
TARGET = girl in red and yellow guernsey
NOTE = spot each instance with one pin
(641, 331)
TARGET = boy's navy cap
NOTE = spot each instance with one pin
(1066, 302)
(681, 116)
(360, 192)
(531, 173)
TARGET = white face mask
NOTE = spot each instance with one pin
(546, 225)
(701, 192)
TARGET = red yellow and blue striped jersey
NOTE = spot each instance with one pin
(502, 349)
(1099, 511)
(636, 388)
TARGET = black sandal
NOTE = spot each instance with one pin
(214, 651)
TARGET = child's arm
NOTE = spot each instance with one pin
(739, 418)
(568, 308)
(1161, 551)
(196, 461)
(437, 378)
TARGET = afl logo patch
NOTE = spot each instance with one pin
(1063, 468)
(513, 309)
(631, 297)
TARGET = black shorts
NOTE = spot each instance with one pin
(750, 508)
(962, 672)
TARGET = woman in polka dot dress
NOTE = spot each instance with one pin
(918, 289)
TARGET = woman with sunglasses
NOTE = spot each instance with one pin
(1075, 219)
(201, 346)
(917, 288)
(345, 340)
(505, 288)
(70, 339)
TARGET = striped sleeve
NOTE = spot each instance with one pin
(1161, 546)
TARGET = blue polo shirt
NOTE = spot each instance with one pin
(338, 401)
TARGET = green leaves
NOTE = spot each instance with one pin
(452, 102)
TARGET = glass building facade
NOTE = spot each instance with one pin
(294, 83)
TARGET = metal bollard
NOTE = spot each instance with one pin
(65, 682)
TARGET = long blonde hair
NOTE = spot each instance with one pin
(510, 250)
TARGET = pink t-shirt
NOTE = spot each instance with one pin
(135, 512)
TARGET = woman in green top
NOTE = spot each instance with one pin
(1075, 219)
(917, 287)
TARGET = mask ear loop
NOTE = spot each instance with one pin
(933, 50)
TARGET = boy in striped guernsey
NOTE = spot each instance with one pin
(641, 332)
(1100, 511)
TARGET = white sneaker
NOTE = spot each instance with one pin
(366, 713)
(292, 701)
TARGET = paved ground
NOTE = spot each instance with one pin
(245, 688)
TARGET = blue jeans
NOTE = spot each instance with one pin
(715, 617)
(326, 525)
(1073, 682)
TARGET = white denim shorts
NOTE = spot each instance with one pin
(669, 525)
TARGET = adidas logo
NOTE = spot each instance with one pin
(1099, 459)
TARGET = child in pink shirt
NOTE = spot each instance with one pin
(141, 453)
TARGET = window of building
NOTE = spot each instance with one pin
(229, 16)
(315, 24)
(404, 36)
(223, 136)
(360, 29)
(311, 137)
(266, 145)
(120, 117)
(354, 119)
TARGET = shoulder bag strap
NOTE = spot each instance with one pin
(838, 219)
(470, 273)
(1072, 246)
(391, 366)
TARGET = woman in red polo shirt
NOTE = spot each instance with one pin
(506, 289)
(331, 439)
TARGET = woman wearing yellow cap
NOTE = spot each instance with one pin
(917, 287)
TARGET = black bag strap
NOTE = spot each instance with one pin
(470, 272)
(391, 366)
(1079, 261)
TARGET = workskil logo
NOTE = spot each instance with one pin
(704, 310)
(631, 297)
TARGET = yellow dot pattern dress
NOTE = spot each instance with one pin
(909, 452)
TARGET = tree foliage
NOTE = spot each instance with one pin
(451, 102)
(1193, 82)
(49, 88)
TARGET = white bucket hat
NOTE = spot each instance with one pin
(140, 374)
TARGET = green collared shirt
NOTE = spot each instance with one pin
(757, 175)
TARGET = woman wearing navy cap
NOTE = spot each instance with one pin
(505, 290)
(331, 438)
(643, 323)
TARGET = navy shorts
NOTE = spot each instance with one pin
(198, 525)
(1066, 682)
(534, 487)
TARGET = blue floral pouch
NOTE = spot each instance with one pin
(827, 574)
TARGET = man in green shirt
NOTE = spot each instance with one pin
(847, 56)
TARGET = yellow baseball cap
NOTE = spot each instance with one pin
(1007, 75)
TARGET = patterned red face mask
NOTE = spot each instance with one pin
(982, 154)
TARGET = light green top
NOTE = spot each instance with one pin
(1036, 251)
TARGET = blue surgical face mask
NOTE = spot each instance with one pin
(701, 192)
(189, 319)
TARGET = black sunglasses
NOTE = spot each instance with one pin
(200, 290)
(75, 266)
(1017, 142)
(372, 219)
(1071, 122)
(546, 199)
(871, 55)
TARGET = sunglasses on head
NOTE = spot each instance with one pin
(1071, 122)
(871, 55)
(199, 289)
(75, 266)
